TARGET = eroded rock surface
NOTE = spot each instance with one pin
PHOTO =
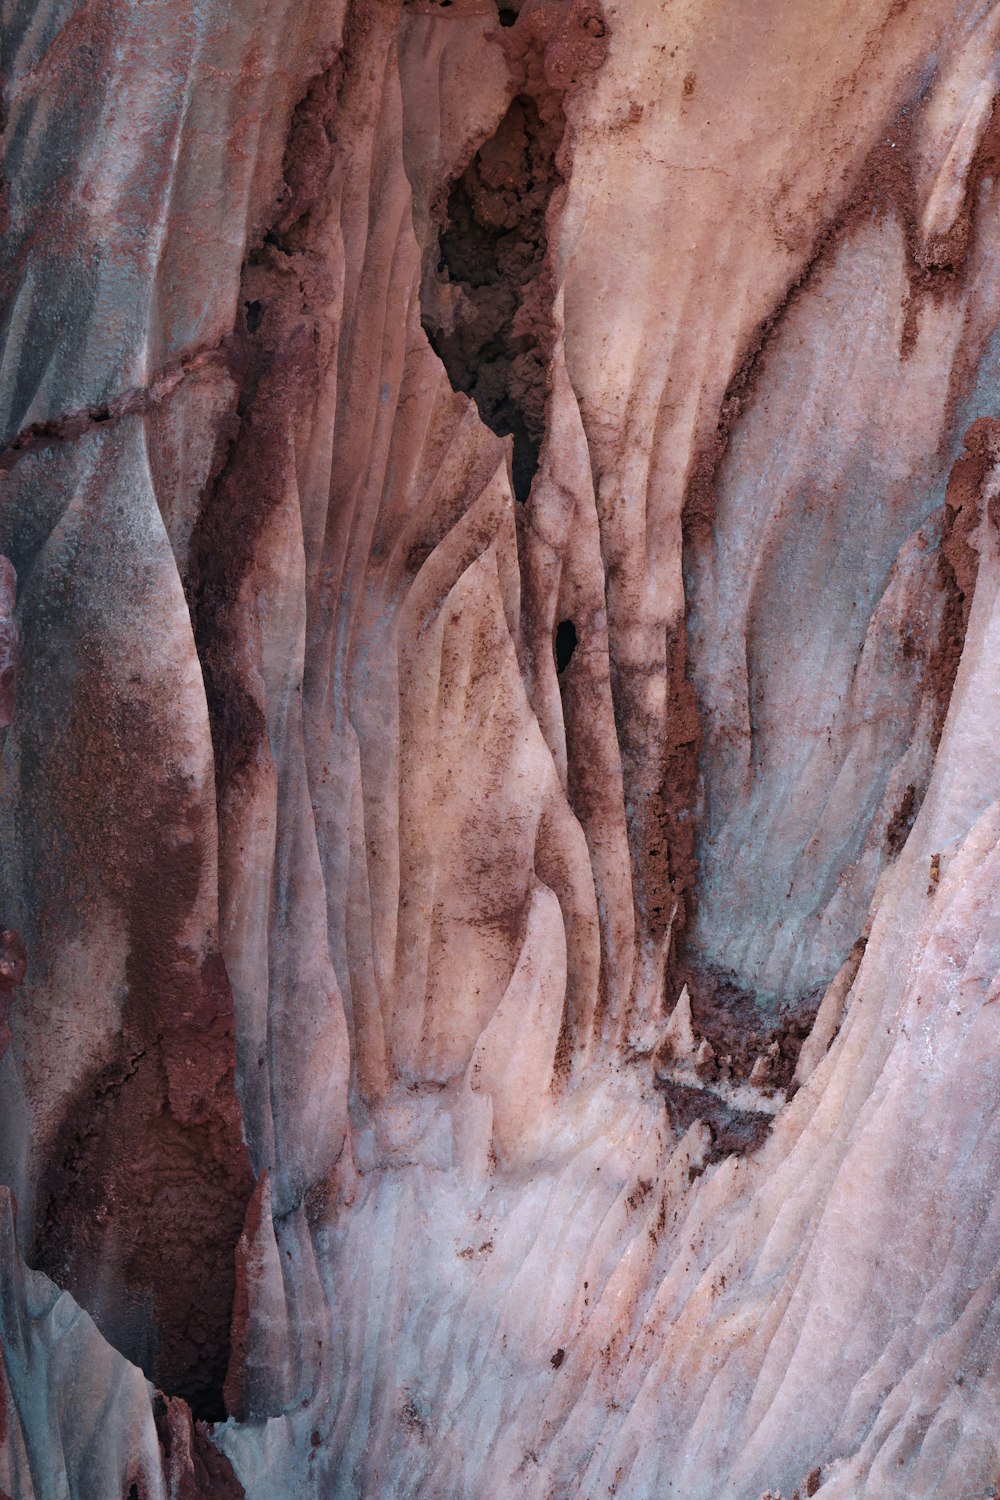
(499, 772)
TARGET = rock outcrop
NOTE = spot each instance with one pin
(500, 750)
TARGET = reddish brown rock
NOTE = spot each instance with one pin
(193, 1468)
(13, 960)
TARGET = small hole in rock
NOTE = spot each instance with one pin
(506, 15)
(254, 313)
(565, 644)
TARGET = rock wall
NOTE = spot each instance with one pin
(499, 775)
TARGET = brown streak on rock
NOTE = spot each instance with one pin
(884, 185)
(134, 402)
(277, 370)
(234, 1389)
(147, 1179)
(958, 558)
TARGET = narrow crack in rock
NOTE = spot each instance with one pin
(133, 402)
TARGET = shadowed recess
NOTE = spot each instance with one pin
(565, 644)
(492, 246)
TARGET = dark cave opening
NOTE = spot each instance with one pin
(565, 644)
(492, 246)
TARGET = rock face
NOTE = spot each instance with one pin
(500, 750)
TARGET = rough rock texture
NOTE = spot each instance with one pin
(500, 750)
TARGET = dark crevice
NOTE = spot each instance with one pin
(958, 557)
(902, 820)
(565, 644)
(506, 15)
(734, 1132)
(197, 1469)
(741, 1041)
(492, 247)
(742, 1029)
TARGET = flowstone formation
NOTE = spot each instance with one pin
(500, 750)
